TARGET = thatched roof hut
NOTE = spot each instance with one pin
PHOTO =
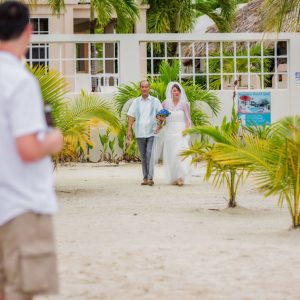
(250, 18)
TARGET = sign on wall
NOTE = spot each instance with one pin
(254, 108)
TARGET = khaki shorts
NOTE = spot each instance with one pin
(27, 257)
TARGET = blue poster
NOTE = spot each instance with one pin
(254, 108)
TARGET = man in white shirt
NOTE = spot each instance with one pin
(27, 198)
(143, 112)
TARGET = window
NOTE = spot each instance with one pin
(217, 64)
(38, 54)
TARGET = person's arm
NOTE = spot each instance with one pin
(31, 149)
(131, 119)
(129, 128)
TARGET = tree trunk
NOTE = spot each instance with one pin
(232, 202)
(93, 23)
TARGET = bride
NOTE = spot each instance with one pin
(177, 170)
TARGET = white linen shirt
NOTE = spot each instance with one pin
(23, 186)
(144, 111)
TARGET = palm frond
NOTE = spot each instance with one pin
(124, 94)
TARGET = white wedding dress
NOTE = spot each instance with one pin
(173, 143)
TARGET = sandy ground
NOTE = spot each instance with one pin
(119, 240)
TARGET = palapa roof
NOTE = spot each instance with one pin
(249, 18)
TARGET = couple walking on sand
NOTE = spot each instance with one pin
(143, 114)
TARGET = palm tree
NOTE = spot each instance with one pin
(168, 73)
(170, 16)
(227, 134)
(101, 12)
(275, 162)
(281, 15)
(222, 12)
(73, 118)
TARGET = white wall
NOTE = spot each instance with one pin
(283, 102)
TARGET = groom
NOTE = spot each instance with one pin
(143, 112)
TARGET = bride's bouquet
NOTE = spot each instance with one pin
(163, 113)
(161, 116)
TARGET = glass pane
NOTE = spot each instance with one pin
(281, 48)
(255, 81)
(242, 65)
(281, 65)
(242, 81)
(228, 49)
(82, 50)
(269, 65)
(255, 65)
(202, 81)
(186, 78)
(149, 69)
(241, 49)
(214, 48)
(228, 65)
(282, 81)
(186, 68)
(200, 66)
(35, 52)
(187, 49)
(269, 81)
(268, 48)
(158, 49)
(214, 65)
(97, 66)
(35, 25)
(171, 62)
(228, 82)
(149, 49)
(44, 25)
(172, 49)
(109, 50)
(116, 47)
(255, 49)
(215, 82)
(200, 49)
(156, 65)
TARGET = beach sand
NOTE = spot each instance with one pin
(120, 240)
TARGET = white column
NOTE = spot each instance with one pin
(294, 66)
(129, 59)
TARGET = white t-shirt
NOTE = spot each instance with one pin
(144, 111)
(23, 186)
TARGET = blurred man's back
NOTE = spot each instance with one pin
(27, 202)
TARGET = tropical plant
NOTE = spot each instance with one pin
(170, 16)
(75, 117)
(104, 140)
(222, 12)
(111, 145)
(275, 162)
(227, 133)
(180, 15)
(168, 73)
(101, 12)
(281, 15)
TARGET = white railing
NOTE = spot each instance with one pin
(123, 58)
(203, 59)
